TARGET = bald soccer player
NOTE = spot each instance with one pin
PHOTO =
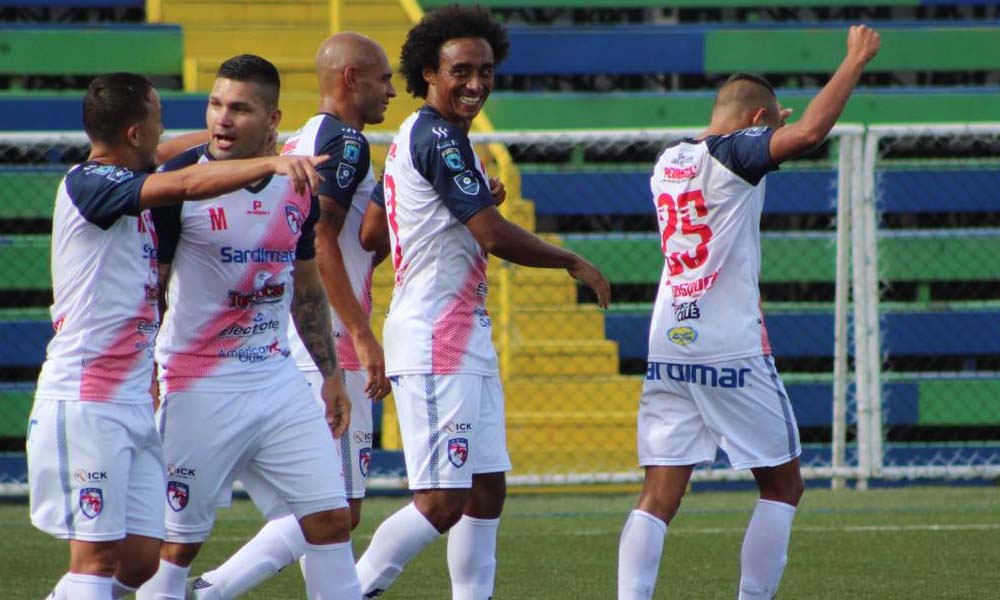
(355, 89)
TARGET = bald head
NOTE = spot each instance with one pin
(744, 94)
(346, 49)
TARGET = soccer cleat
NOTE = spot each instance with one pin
(193, 585)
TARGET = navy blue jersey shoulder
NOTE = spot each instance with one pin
(350, 159)
(189, 157)
(102, 193)
(305, 248)
(442, 154)
(746, 153)
(167, 219)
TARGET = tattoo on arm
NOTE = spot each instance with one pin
(311, 314)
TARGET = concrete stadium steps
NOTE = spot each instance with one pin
(567, 322)
(273, 42)
(220, 12)
(571, 441)
(573, 393)
(563, 357)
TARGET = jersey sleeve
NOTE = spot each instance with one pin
(378, 195)
(746, 153)
(350, 158)
(443, 155)
(167, 221)
(102, 193)
(305, 248)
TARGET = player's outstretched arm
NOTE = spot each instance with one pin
(210, 179)
(508, 241)
(824, 110)
(338, 287)
(311, 316)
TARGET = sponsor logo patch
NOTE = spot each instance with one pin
(453, 159)
(293, 216)
(352, 152)
(177, 495)
(458, 451)
(179, 471)
(345, 174)
(705, 375)
(687, 310)
(695, 288)
(91, 502)
(85, 476)
(682, 336)
(467, 182)
(263, 295)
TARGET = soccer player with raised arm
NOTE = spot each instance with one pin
(355, 89)
(233, 402)
(95, 462)
(443, 224)
(711, 380)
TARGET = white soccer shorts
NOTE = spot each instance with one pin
(452, 426)
(277, 435)
(354, 448)
(95, 470)
(687, 411)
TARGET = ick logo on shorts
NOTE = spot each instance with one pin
(364, 460)
(177, 495)
(91, 502)
(458, 451)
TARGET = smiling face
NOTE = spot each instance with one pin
(240, 119)
(463, 80)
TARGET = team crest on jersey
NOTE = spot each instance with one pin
(364, 460)
(458, 451)
(682, 336)
(352, 152)
(453, 159)
(177, 495)
(293, 216)
(467, 182)
(345, 173)
(91, 502)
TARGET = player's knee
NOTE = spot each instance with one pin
(327, 527)
(442, 508)
(487, 496)
(94, 559)
(136, 570)
(181, 555)
(355, 513)
(787, 490)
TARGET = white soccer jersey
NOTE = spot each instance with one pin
(104, 283)
(709, 195)
(434, 183)
(349, 180)
(230, 288)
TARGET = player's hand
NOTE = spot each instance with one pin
(338, 405)
(862, 43)
(300, 170)
(584, 271)
(783, 114)
(497, 190)
(372, 358)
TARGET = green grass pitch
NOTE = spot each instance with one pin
(934, 542)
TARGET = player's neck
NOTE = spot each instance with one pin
(345, 114)
(120, 157)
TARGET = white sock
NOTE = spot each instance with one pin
(765, 550)
(639, 550)
(330, 572)
(472, 558)
(119, 589)
(397, 540)
(86, 587)
(167, 584)
(278, 544)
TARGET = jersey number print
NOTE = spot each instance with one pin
(668, 210)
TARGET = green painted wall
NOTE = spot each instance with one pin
(89, 51)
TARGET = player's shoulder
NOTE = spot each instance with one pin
(675, 147)
(431, 131)
(189, 157)
(92, 176)
(742, 136)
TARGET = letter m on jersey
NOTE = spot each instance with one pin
(218, 217)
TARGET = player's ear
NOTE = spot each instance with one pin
(275, 119)
(133, 135)
(351, 77)
(758, 117)
(430, 75)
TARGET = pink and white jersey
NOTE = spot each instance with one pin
(104, 282)
(349, 181)
(709, 195)
(230, 287)
(433, 184)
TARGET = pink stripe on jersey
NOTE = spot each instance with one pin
(102, 375)
(206, 352)
(346, 353)
(453, 329)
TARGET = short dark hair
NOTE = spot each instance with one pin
(422, 48)
(113, 103)
(250, 67)
(752, 78)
